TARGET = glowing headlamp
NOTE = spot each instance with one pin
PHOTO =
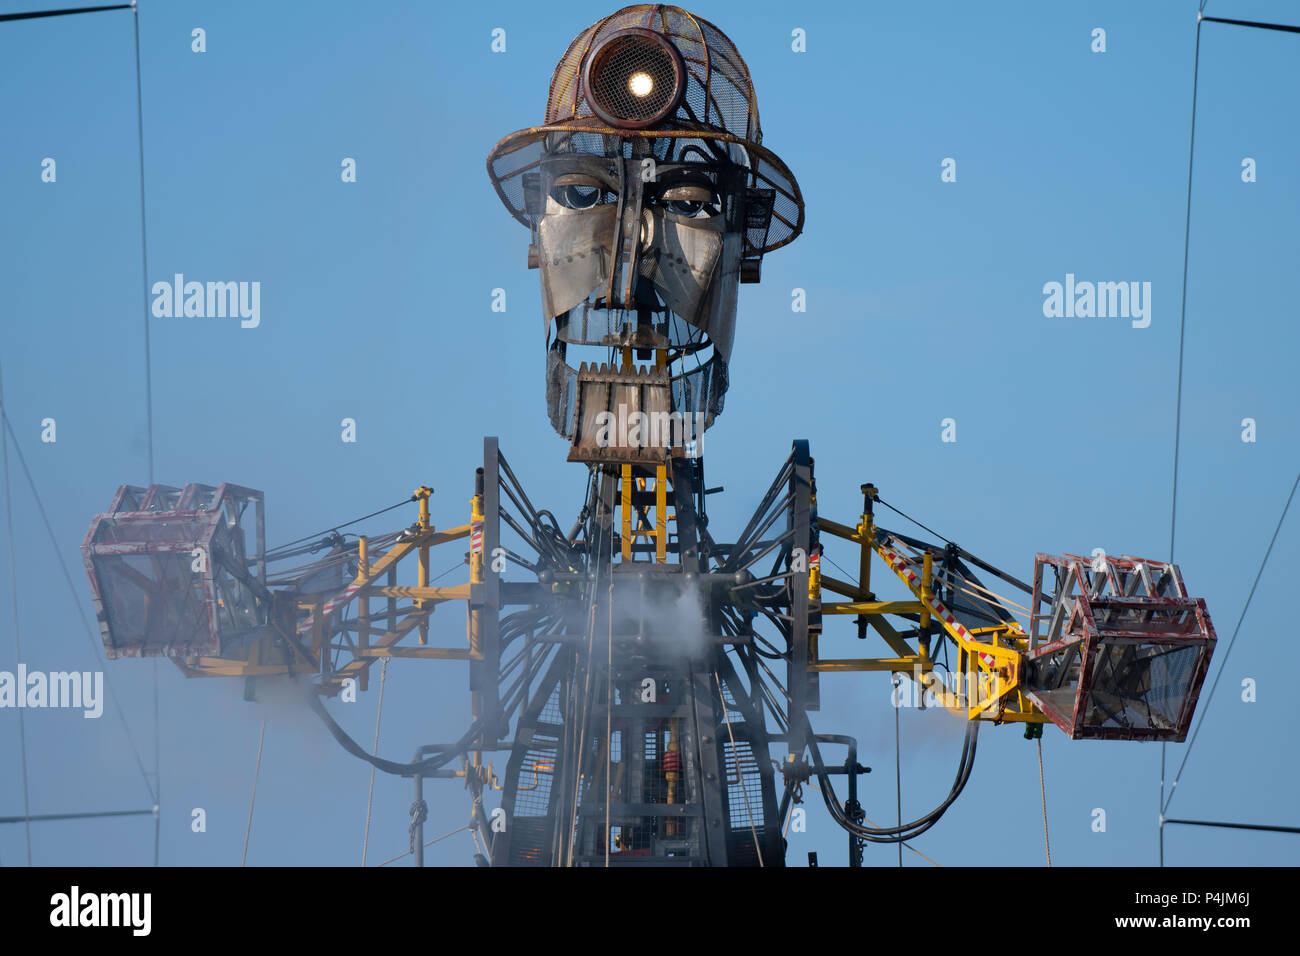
(634, 79)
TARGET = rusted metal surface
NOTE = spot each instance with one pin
(649, 197)
(1121, 651)
(173, 573)
(625, 416)
(646, 55)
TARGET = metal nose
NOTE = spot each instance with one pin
(630, 241)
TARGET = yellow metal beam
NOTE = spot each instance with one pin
(904, 664)
(354, 667)
(866, 533)
(363, 603)
(872, 607)
(422, 494)
(827, 526)
(427, 653)
(891, 636)
(843, 587)
(221, 667)
(398, 551)
(992, 654)
(661, 514)
(459, 592)
(626, 482)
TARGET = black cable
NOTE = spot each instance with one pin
(1182, 318)
(390, 766)
(76, 600)
(1283, 27)
(1200, 17)
(144, 243)
(37, 14)
(919, 826)
(1235, 631)
(148, 395)
(907, 831)
(336, 527)
(40, 817)
(1236, 826)
(914, 521)
(18, 641)
(1182, 326)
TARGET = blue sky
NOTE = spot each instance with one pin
(924, 303)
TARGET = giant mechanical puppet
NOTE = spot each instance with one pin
(650, 680)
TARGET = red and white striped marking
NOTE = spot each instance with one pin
(902, 568)
(476, 538)
(330, 605)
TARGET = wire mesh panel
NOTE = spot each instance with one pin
(1119, 649)
(532, 778)
(649, 198)
(173, 572)
(613, 68)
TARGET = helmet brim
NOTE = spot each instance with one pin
(521, 152)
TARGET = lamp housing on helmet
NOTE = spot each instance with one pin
(635, 79)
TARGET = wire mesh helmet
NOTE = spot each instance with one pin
(661, 74)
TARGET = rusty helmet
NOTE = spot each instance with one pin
(659, 73)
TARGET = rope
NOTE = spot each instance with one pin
(18, 643)
(873, 823)
(920, 854)
(916, 851)
(901, 844)
(253, 799)
(952, 579)
(1042, 787)
(740, 774)
(374, 751)
(430, 843)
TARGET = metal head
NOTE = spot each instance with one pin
(649, 197)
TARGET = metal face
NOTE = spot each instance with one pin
(641, 254)
(607, 222)
(650, 197)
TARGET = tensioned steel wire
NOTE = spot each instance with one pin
(1173, 512)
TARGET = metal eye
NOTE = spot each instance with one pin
(685, 207)
(580, 197)
(691, 201)
(575, 191)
